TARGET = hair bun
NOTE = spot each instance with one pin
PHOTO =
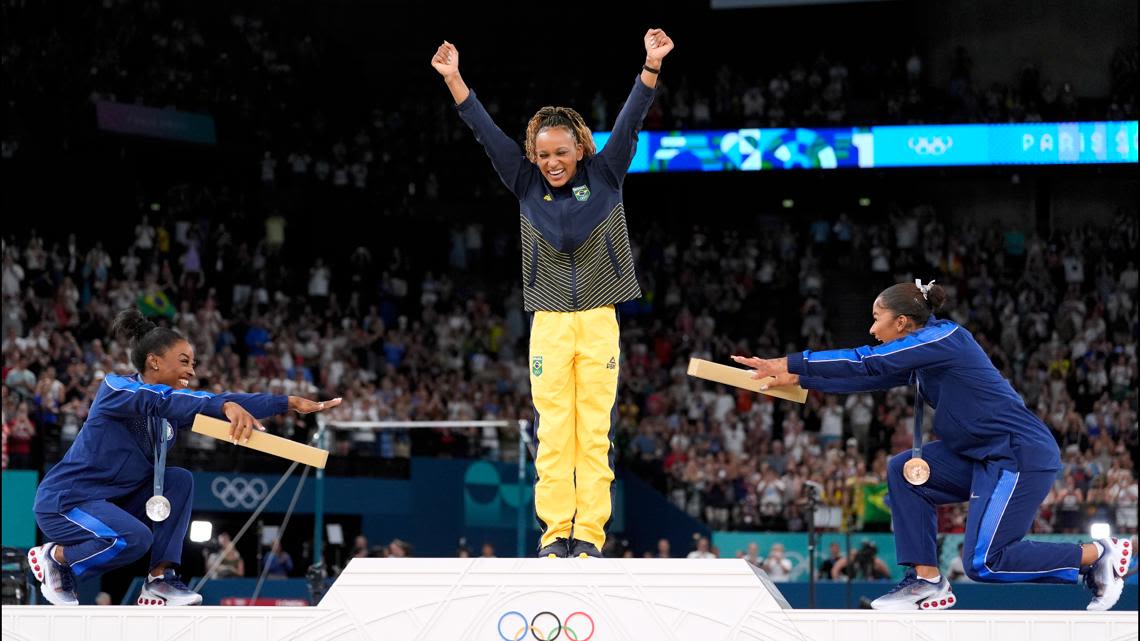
(132, 325)
(936, 298)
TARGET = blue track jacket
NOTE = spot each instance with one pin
(979, 415)
(113, 455)
(576, 253)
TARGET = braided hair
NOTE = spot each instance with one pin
(906, 299)
(143, 336)
(565, 117)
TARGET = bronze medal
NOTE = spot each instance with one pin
(916, 471)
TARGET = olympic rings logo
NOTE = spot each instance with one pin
(934, 146)
(239, 491)
(545, 626)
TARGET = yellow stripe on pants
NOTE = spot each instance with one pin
(574, 360)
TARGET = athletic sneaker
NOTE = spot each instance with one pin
(915, 593)
(560, 549)
(1106, 577)
(584, 550)
(167, 589)
(57, 581)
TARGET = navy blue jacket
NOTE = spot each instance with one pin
(979, 415)
(575, 245)
(113, 457)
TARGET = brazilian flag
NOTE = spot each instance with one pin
(874, 503)
(156, 303)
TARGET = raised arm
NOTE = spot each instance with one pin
(657, 45)
(446, 62)
(506, 155)
(618, 152)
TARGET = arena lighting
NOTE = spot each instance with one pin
(788, 203)
(201, 531)
(1099, 531)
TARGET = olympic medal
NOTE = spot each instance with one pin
(158, 508)
(916, 471)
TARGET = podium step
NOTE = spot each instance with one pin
(552, 600)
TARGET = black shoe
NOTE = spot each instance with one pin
(560, 549)
(584, 549)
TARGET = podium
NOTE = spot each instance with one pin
(552, 600)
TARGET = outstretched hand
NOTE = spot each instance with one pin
(765, 367)
(658, 44)
(305, 406)
(446, 59)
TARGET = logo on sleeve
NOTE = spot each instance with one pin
(582, 193)
(612, 364)
(536, 366)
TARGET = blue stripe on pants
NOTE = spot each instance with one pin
(101, 530)
(1003, 504)
(99, 536)
(998, 553)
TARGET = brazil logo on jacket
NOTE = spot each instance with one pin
(582, 193)
(536, 366)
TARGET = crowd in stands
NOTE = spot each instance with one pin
(401, 334)
(1057, 316)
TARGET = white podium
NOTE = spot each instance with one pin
(552, 600)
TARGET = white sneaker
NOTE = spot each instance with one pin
(915, 593)
(167, 590)
(1106, 577)
(57, 581)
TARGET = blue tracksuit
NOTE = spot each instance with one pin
(93, 501)
(992, 452)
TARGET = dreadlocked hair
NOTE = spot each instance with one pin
(558, 117)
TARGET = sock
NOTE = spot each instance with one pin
(150, 577)
(937, 579)
(51, 555)
(1099, 550)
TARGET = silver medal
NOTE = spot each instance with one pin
(158, 508)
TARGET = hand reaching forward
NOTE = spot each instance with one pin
(305, 406)
(765, 366)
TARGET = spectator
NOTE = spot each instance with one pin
(779, 569)
(702, 551)
(834, 555)
(229, 565)
(278, 563)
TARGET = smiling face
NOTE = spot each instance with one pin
(174, 367)
(888, 325)
(557, 154)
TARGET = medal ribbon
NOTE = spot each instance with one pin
(916, 451)
(158, 439)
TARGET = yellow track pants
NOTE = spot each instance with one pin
(574, 360)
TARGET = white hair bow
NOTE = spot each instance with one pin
(925, 289)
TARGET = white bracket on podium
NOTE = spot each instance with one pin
(552, 600)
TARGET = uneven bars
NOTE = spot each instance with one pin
(373, 425)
